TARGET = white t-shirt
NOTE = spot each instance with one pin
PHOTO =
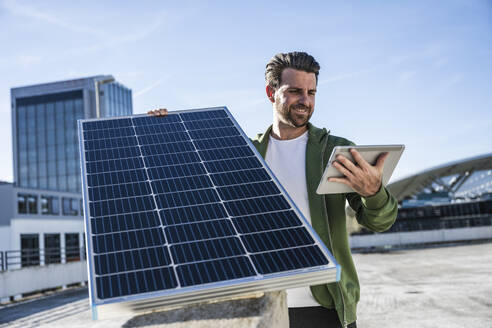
(287, 159)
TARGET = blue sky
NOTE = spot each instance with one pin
(411, 72)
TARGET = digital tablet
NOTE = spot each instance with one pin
(370, 154)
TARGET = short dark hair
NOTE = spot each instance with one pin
(297, 60)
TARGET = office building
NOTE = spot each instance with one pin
(44, 122)
(43, 207)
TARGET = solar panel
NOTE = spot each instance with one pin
(182, 208)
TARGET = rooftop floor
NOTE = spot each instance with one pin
(437, 287)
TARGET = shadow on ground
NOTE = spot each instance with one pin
(28, 308)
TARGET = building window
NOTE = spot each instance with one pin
(50, 205)
(52, 248)
(81, 207)
(32, 204)
(27, 204)
(56, 206)
(70, 206)
(21, 204)
(72, 247)
(29, 249)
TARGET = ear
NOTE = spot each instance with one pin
(270, 93)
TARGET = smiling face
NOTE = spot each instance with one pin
(293, 101)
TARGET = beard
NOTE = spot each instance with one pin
(291, 118)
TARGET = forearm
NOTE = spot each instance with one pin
(377, 212)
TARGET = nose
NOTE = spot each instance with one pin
(304, 99)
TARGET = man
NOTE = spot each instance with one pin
(298, 152)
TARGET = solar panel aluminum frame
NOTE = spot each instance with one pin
(149, 301)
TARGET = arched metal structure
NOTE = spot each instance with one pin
(449, 177)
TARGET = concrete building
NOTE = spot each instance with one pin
(42, 212)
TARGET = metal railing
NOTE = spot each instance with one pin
(15, 259)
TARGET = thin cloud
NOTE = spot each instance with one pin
(111, 42)
(345, 76)
(407, 76)
(103, 40)
(455, 79)
(148, 88)
(26, 61)
(34, 13)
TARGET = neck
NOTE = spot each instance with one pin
(282, 131)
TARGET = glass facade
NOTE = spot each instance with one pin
(117, 100)
(47, 141)
(46, 150)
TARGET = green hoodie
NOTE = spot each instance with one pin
(377, 213)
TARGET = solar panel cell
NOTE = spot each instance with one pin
(206, 250)
(109, 133)
(122, 205)
(208, 124)
(213, 133)
(132, 260)
(153, 120)
(181, 184)
(277, 239)
(212, 271)
(175, 147)
(264, 222)
(227, 142)
(226, 153)
(123, 222)
(239, 177)
(190, 214)
(199, 231)
(111, 143)
(158, 129)
(184, 170)
(117, 177)
(256, 205)
(187, 198)
(163, 138)
(288, 259)
(119, 191)
(210, 114)
(249, 190)
(135, 282)
(121, 164)
(232, 165)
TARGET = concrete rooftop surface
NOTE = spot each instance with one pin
(435, 287)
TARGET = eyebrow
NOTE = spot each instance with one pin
(296, 88)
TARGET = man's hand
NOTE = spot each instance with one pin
(363, 178)
(158, 112)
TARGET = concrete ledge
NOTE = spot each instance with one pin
(420, 237)
(263, 310)
(30, 279)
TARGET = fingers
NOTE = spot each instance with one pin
(359, 159)
(158, 112)
(380, 161)
(345, 181)
(346, 163)
(342, 169)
